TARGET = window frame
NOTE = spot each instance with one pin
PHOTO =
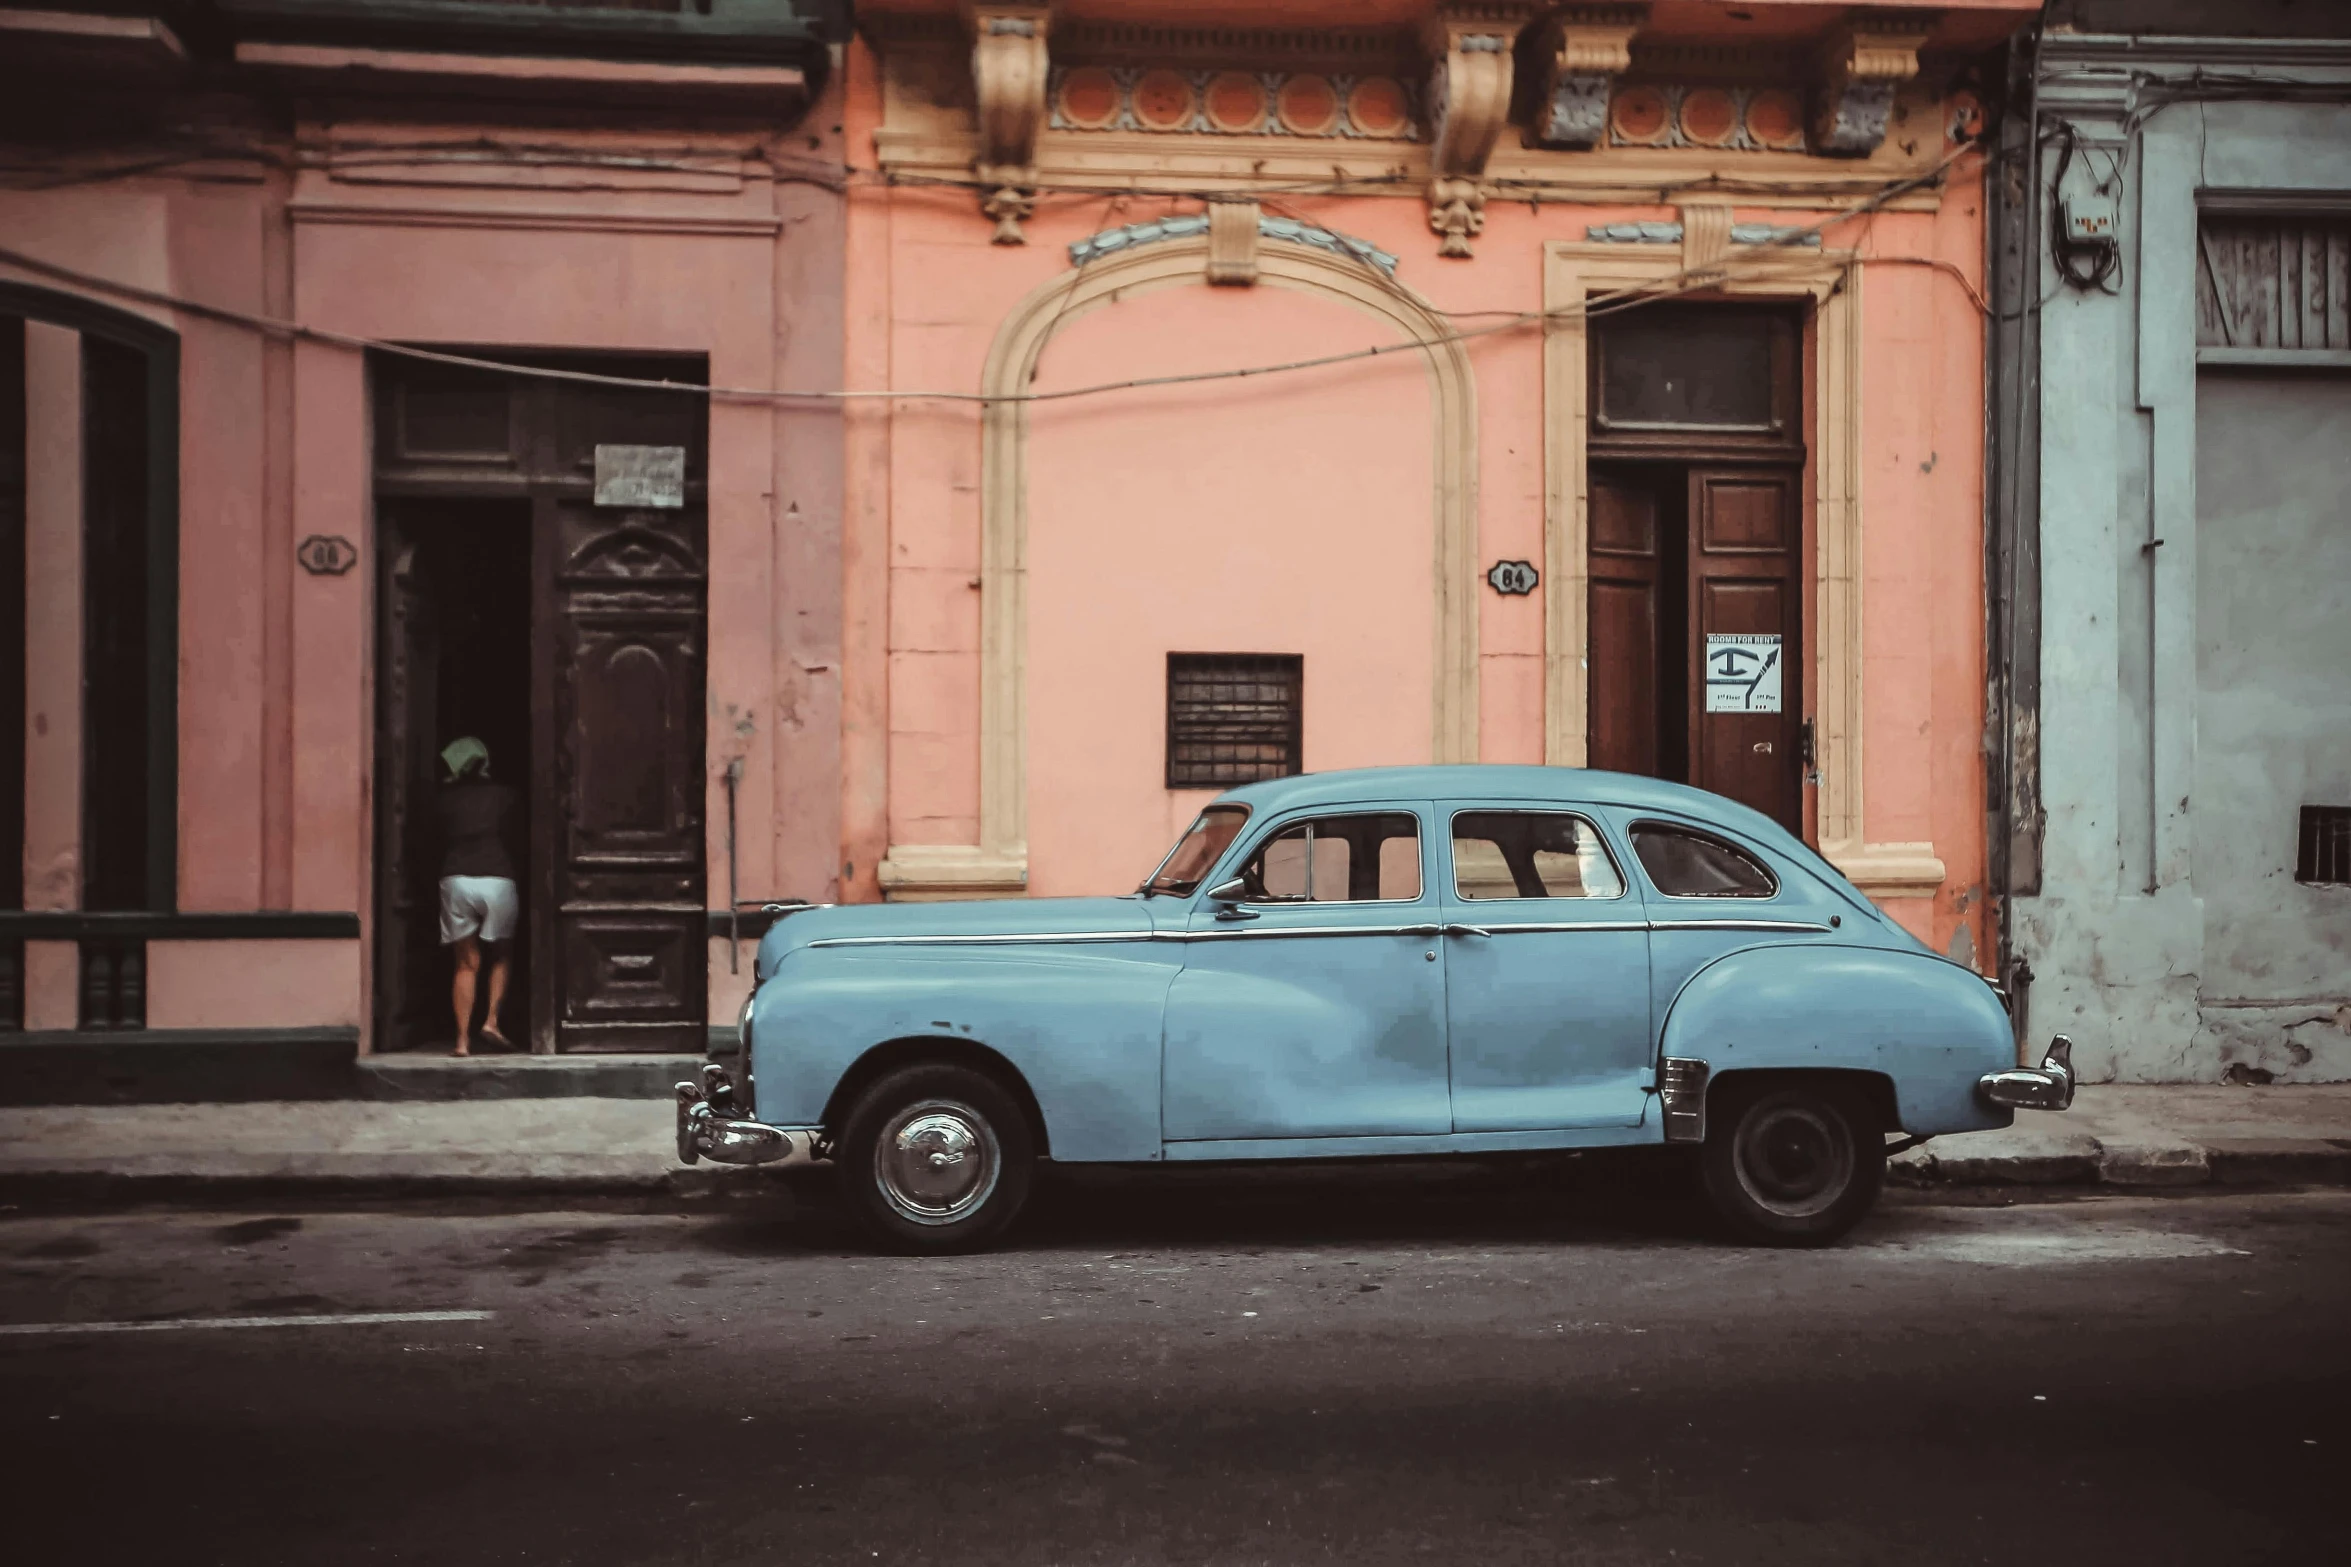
(1753, 856)
(1452, 866)
(1307, 816)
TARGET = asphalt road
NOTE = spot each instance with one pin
(1195, 1374)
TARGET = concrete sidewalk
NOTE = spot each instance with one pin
(2114, 1136)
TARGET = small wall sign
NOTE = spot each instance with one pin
(1742, 672)
(325, 555)
(641, 476)
(1514, 576)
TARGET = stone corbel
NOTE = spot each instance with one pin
(1469, 102)
(1595, 47)
(1232, 242)
(1008, 68)
(1864, 61)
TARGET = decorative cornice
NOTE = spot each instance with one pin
(1592, 48)
(1861, 65)
(1008, 68)
(1247, 48)
(1286, 230)
(582, 221)
(1468, 100)
(1671, 234)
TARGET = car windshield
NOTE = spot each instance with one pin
(1197, 850)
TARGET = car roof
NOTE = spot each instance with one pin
(1503, 782)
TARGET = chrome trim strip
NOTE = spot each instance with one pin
(1751, 924)
(1279, 932)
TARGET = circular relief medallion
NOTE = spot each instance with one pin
(1710, 116)
(1376, 106)
(1308, 106)
(1163, 101)
(1089, 99)
(1637, 116)
(1775, 119)
(1236, 102)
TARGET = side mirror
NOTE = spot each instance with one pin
(1232, 891)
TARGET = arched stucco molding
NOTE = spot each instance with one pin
(998, 863)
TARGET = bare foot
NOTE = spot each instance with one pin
(491, 1033)
(461, 1051)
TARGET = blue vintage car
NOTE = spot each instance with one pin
(1386, 962)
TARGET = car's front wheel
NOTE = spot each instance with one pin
(935, 1158)
(1792, 1165)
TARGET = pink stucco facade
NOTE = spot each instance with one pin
(1293, 512)
(650, 238)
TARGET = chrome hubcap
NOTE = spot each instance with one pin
(936, 1161)
(1794, 1159)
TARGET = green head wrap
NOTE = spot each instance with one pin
(465, 755)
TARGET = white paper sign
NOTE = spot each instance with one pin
(1742, 673)
(640, 476)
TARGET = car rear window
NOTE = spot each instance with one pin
(1683, 864)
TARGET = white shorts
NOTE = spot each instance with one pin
(484, 906)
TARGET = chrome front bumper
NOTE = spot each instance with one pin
(708, 1129)
(2048, 1086)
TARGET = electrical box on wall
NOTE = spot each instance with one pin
(2089, 220)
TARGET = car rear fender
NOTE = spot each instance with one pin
(1927, 1026)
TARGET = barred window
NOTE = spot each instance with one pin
(1232, 718)
(2323, 857)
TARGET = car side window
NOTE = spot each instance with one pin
(1338, 859)
(1530, 854)
(1687, 865)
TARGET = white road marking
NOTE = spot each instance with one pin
(323, 1320)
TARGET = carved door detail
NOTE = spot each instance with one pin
(409, 999)
(625, 655)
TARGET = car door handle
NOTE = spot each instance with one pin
(1420, 930)
(1467, 930)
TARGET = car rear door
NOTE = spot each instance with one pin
(1546, 971)
(1316, 1006)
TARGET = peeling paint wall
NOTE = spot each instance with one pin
(2187, 616)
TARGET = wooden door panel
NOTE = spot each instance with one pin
(1623, 680)
(1621, 629)
(627, 846)
(1746, 614)
(411, 1003)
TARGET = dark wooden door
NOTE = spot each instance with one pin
(410, 1001)
(1623, 638)
(1745, 616)
(622, 737)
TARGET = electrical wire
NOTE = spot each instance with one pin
(1759, 261)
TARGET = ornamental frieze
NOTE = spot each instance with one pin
(1165, 100)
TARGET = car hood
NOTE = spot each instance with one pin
(882, 922)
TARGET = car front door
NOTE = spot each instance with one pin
(1314, 1005)
(1546, 973)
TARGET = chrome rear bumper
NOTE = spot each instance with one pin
(2048, 1086)
(706, 1129)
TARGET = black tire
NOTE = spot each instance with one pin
(1787, 1164)
(929, 1203)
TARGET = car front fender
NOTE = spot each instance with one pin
(1930, 1027)
(1081, 1026)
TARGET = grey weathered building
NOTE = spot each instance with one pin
(2172, 558)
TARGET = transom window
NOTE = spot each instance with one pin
(1338, 859)
(1530, 854)
(1683, 864)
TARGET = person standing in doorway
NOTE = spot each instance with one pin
(479, 904)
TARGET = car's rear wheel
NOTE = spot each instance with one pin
(1789, 1164)
(935, 1159)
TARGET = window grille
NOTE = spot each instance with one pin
(1232, 718)
(2324, 856)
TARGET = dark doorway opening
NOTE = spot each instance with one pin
(561, 621)
(1696, 603)
(458, 644)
